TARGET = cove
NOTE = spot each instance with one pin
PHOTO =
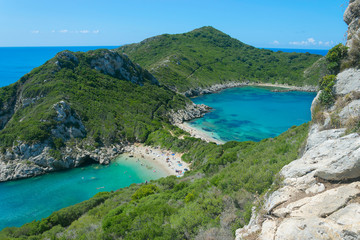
(34, 198)
(252, 113)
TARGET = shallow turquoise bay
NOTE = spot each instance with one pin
(25, 200)
(252, 113)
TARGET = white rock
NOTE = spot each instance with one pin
(348, 81)
(306, 229)
(321, 205)
(317, 137)
(352, 110)
(349, 215)
(268, 230)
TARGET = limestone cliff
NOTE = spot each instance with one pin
(319, 196)
(30, 159)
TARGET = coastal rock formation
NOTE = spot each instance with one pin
(320, 193)
(190, 112)
(27, 160)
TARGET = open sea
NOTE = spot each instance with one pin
(15, 62)
(239, 114)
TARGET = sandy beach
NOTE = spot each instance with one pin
(197, 133)
(168, 161)
(285, 86)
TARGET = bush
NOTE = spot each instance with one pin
(335, 56)
(144, 191)
(327, 97)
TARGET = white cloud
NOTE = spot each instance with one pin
(276, 42)
(83, 31)
(35, 32)
(311, 41)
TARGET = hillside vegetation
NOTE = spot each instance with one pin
(206, 56)
(210, 202)
(113, 107)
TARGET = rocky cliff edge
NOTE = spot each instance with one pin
(319, 194)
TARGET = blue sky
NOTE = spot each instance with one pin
(305, 24)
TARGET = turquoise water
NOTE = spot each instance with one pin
(23, 201)
(252, 113)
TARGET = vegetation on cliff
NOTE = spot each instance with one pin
(206, 56)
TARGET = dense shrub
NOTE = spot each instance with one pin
(326, 84)
(335, 56)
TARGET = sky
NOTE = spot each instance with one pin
(298, 24)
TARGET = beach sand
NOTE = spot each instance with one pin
(167, 161)
(197, 133)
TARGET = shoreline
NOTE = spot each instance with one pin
(219, 87)
(169, 162)
(197, 133)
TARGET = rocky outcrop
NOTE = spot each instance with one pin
(190, 112)
(314, 199)
(352, 17)
(68, 122)
(212, 89)
(27, 160)
(319, 197)
(119, 66)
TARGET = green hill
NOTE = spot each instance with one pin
(206, 56)
(111, 98)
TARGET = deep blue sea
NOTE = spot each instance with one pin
(252, 113)
(290, 50)
(15, 62)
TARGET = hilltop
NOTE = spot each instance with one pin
(79, 107)
(207, 56)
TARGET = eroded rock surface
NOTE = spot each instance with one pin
(190, 112)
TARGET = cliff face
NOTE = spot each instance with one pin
(319, 196)
(25, 159)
